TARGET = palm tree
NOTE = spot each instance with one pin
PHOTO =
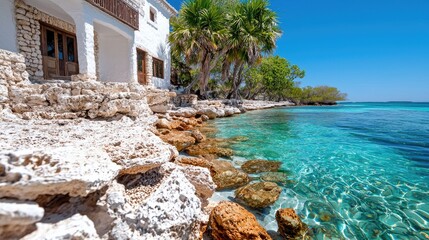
(253, 32)
(197, 33)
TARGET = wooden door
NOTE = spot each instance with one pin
(141, 67)
(59, 52)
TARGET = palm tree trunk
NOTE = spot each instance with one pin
(204, 75)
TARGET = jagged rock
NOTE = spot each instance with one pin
(172, 211)
(290, 225)
(259, 195)
(13, 212)
(230, 221)
(278, 177)
(77, 227)
(180, 139)
(198, 176)
(258, 165)
(63, 170)
(226, 176)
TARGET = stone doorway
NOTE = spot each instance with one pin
(59, 53)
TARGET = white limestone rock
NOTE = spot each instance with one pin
(77, 227)
(69, 170)
(172, 211)
(19, 212)
(186, 112)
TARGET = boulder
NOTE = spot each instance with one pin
(209, 147)
(230, 221)
(64, 170)
(180, 139)
(163, 123)
(210, 112)
(226, 176)
(259, 195)
(258, 165)
(290, 225)
(193, 161)
(173, 211)
(77, 227)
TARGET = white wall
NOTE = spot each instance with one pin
(114, 64)
(7, 26)
(153, 38)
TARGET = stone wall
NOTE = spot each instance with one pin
(65, 100)
(29, 35)
(12, 73)
(185, 100)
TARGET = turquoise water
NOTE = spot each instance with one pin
(356, 170)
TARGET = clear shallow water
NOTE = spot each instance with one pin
(357, 170)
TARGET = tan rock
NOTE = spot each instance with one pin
(199, 137)
(278, 177)
(290, 225)
(209, 147)
(180, 139)
(258, 165)
(259, 195)
(230, 221)
(226, 176)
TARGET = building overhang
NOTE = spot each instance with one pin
(168, 7)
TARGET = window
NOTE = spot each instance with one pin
(158, 68)
(152, 14)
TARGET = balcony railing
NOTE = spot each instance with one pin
(127, 11)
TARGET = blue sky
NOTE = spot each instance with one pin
(374, 50)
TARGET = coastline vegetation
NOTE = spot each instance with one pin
(223, 49)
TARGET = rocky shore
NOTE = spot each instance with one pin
(91, 160)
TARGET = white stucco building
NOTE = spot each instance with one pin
(103, 40)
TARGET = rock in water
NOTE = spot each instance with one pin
(230, 221)
(277, 177)
(258, 165)
(259, 195)
(226, 176)
(290, 225)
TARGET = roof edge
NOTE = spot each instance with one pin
(168, 6)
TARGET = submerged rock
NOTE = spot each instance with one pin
(290, 225)
(278, 177)
(230, 221)
(258, 166)
(226, 176)
(259, 195)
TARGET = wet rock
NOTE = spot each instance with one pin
(230, 221)
(278, 177)
(209, 147)
(180, 139)
(290, 225)
(193, 161)
(258, 165)
(259, 195)
(226, 176)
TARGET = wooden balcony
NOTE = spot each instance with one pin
(123, 10)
